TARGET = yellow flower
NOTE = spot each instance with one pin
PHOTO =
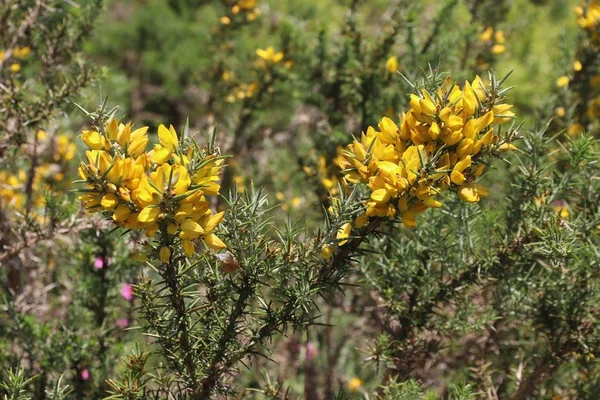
(499, 37)
(498, 49)
(486, 34)
(326, 251)
(165, 255)
(435, 148)
(225, 20)
(343, 233)
(95, 140)
(561, 208)
(269, 55)
(472, 192)
(168, 144)
(247, 4)
(355, 384)
(391, 65)
(15, 67)
(577, 65)
(562, 81)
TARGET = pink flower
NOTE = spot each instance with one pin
(122, 323)
(311, 350)
(127, 291)
(85, 374)
(99, 262)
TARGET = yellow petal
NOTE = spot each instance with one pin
(121, 213)
(188, 247)
(380, 195)
(213, 242)
(109, 201)
(168, 137)
(190, 229)
(343, 233)
(149, 214)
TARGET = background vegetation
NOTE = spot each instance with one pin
(490, 300)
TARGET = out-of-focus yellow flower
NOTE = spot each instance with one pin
(562, 81)
(225, 20)
(560, 112)
(577, 65)
(486, 34)
(21, 52)
(499, 37)
(575, 129)
(355, 384)
(247, 4)
(391, 65)
(15, 67)
(270, 55)
(589, 18)
(498, 49)
(561, 208)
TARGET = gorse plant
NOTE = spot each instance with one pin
(333, 221)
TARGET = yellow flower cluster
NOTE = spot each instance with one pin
(54, 156)
(18, 53)
(437, 147)
(162, 190)
(495, 39)
(243, 91)
(243, 8)
(589, 17)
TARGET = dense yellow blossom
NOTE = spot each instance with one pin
(163, 190)
(588, 18)
(54, 154)
(437, 147)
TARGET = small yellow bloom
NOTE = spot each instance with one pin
(15, 67)
(486, 34)
(225, 20)
(562, 81)
(326, 251)
(391, 65)
(343, 233)
(355, 384)
(165, 255)
(498, 49)
(560, 112)
(269, 55)
(577, 65)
